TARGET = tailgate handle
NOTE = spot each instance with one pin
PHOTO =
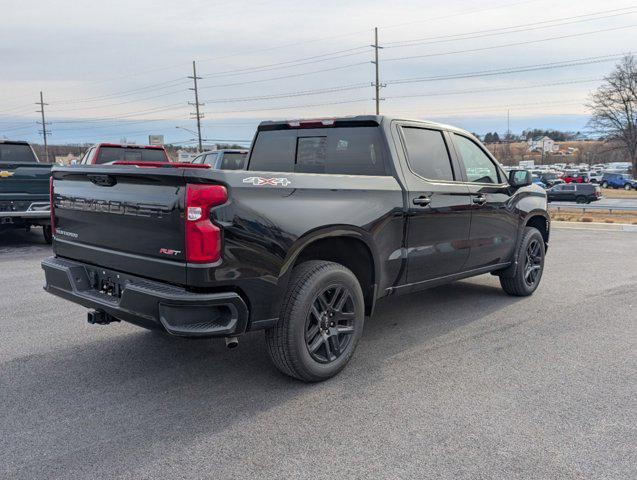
(103, 180)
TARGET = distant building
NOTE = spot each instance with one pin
(545, 144)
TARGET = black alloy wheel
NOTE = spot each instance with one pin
(329, 327)
(533, 262)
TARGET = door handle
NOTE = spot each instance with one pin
(422, 201)
(480, 200)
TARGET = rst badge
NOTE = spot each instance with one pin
(260, 181)
(169, 252)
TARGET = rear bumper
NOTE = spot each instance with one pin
(145, 303)
(24, 209)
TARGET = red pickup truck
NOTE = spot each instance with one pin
(108, 153)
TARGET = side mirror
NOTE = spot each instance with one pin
(520, 178)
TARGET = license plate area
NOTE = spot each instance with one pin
(106, 282)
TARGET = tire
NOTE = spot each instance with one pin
(325, 351)
(627, 187)
(48, 234)
(604, 184)
(519, 285)
(580, 199)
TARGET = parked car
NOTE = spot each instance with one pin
(595, 177)
(226, 159)
(24, 188)
(330, 216)
(537, 181)
(575, 177)
(574, 192)
(618, 180)
(551, 178)
(109, 153)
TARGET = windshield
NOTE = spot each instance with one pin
(128, 154)
(12, 153)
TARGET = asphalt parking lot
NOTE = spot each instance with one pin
(458, 382)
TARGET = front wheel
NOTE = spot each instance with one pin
(530, 265)
(627, 187)
(320, 324)
(604, 184)
(580, 199)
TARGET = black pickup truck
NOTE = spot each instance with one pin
(24, 188)
(329, 217)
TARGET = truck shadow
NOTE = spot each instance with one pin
(117, 397)
(17, 242)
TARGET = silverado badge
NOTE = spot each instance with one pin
(5, 174)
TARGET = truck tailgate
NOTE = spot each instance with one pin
(128, 218)
(23, 183)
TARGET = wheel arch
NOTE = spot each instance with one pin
(539, 219)
(347, 245)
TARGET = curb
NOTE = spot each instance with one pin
(617, 227)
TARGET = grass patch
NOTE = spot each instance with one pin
(598, 217)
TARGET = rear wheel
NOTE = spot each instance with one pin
(604, 184)
(321, 322)
(627, 186)
(530, 265)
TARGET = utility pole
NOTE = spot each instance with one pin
(198, 115)
(377, 85)
(43, 123)
(508, 124)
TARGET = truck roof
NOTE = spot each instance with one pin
(355, 120)
(14, 142)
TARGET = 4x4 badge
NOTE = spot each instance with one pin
(259, 181)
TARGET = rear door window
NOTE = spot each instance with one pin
(427, 154)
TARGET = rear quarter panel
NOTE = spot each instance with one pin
(266, 226)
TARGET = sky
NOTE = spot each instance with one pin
(119, 69)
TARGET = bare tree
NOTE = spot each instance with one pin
(614, 108)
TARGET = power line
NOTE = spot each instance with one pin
(291, 107)
(342, 88)
(492, 47)
(291, 63)
(296, 75)
(498, 89)
(507, 71)
(511, 29)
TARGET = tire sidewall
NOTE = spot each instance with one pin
(301, 309)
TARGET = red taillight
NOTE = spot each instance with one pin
(203, 238)
(51, 207)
